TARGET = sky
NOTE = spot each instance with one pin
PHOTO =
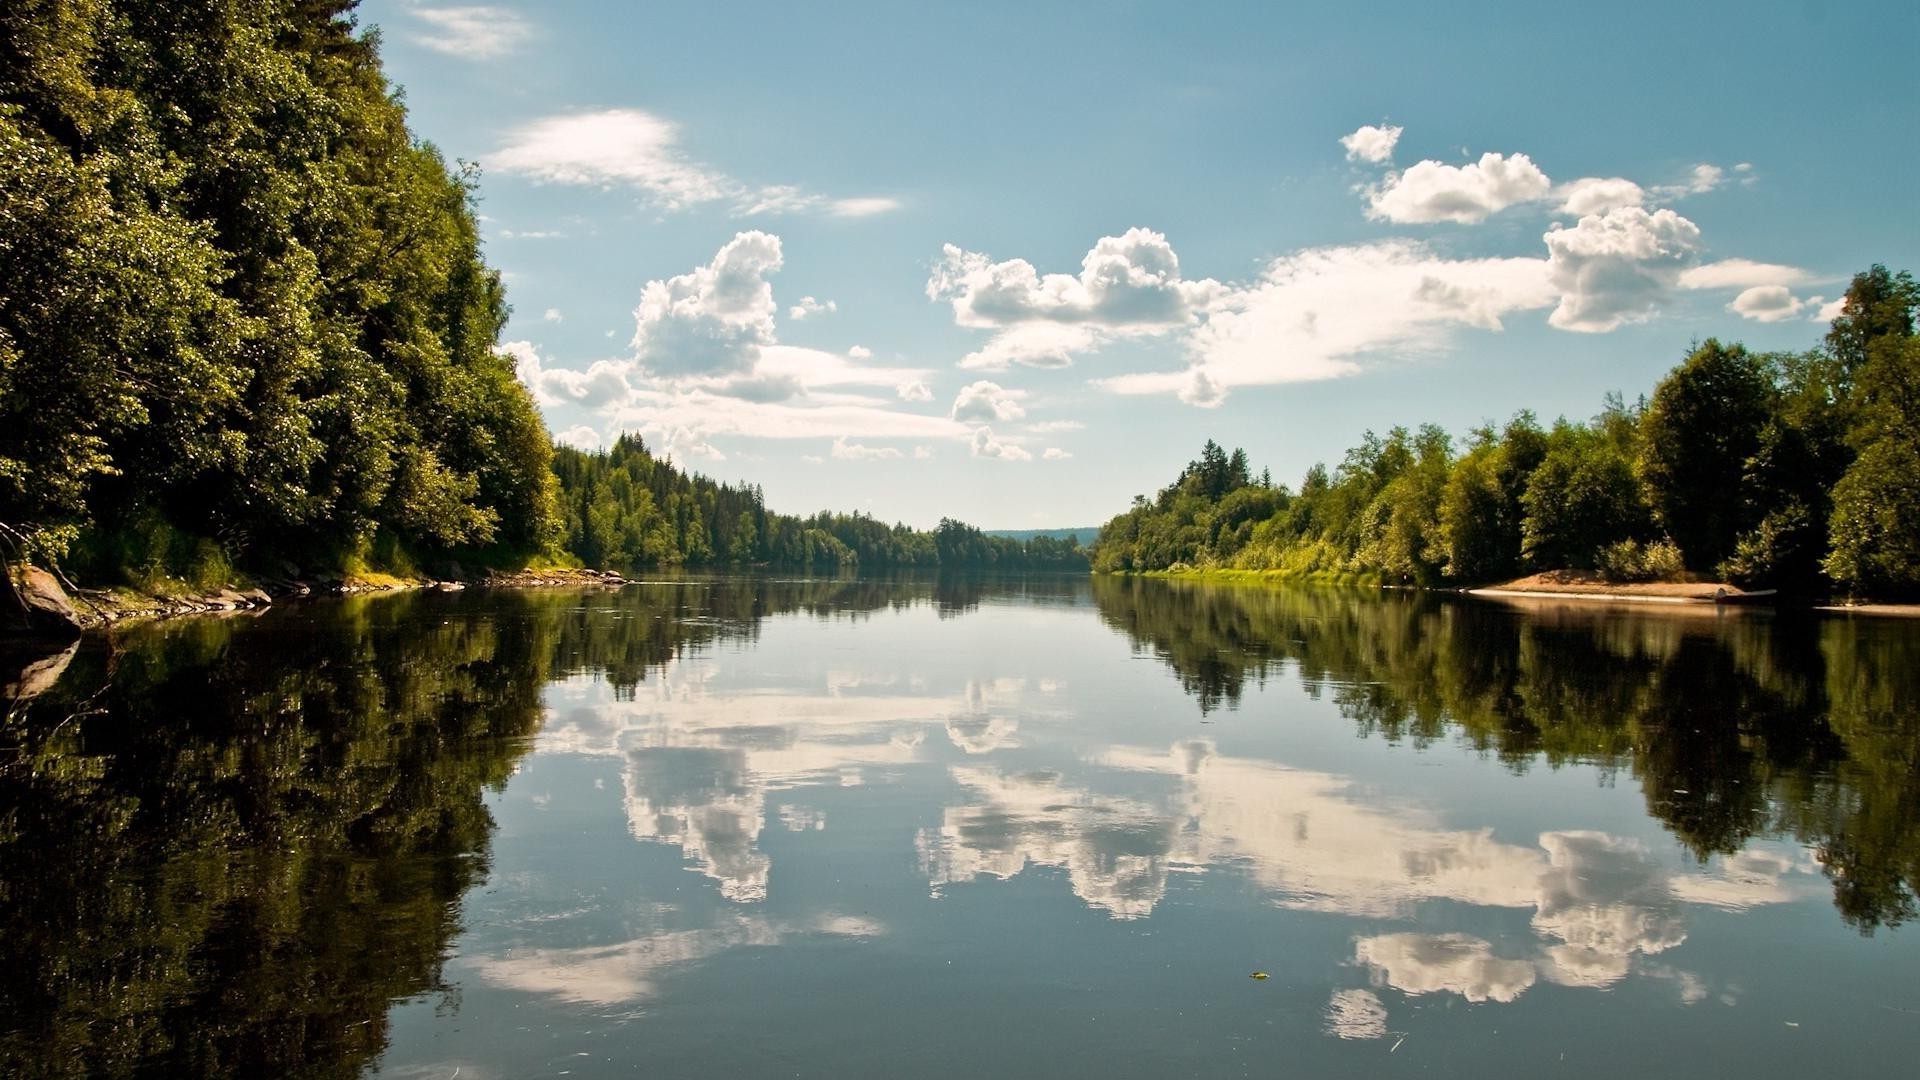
(1016, 263)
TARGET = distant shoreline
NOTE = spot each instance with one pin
(1568, 586)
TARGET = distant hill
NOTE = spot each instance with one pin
(1084, 534)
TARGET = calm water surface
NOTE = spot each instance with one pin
(759, 827)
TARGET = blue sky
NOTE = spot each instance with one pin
(1014, 263)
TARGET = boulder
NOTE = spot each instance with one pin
(39, 607)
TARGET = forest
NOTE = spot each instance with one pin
(626, 508)
(1793, 471)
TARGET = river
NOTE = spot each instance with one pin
(1059, 827)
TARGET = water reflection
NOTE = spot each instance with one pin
(1736, 725)
(229, 847)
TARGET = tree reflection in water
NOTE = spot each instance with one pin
(1737, 724)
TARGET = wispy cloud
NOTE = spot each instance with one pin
(633, 148)
(473, 33)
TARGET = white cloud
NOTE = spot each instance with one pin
(1047, 427)
(553, 315)
(1767, 303)
(714, 319)
(473, 33)
(1741, 274)
(1431, 191)
(985, 400)
(580, 437)
(810, 306)
(1371, 143)
(1454, 963)
(1831, 310)
(985, 445)
(1034, 344)
(634, 148)
(1127, 280)
(612, 147)
(602, 384)
(1699, 180)
(706, 364)
(1614, 268)
(1318, 313)
(1597, 195)
(846, 451)
(923, 453)
(862, 206)
(1054, 453)
(1705, 178)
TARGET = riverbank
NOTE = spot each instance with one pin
(49, 608)
(1573, 586)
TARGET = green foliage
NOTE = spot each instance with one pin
(1629, 560)
(1875, 542)
(1699, 431)
(241, 296)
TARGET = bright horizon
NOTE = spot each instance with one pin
(1015, 267)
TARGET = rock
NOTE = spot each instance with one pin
(257, 597)
(39, 607)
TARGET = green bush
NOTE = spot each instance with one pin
(1630, 561)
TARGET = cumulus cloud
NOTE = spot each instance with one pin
(714, 319)
(1431, 191)
(1831, 310)
(1054, 453)
(987, 401)
(1371, 143)
(636, 149)
(1126, 280)
(580, 437)
(1597, 195)
(553, 315)
(985, 445)
(808, 306)
(846, 451)
(1454, 963)
(706, 364)
(1614, 268)
(1767, 303)
(472, 33)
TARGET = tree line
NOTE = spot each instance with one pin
(624, 508)
(1797, 471)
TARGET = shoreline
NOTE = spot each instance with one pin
(1572, 588)
(64, 615)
